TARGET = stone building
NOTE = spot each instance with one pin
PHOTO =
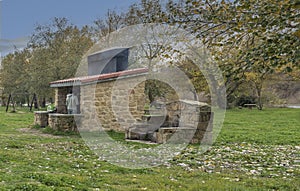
(111, 96)
(105, 97)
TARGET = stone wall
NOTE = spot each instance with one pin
(187, 121)
(182, 121)
(64, 122)
(41, 118)
(186, 113)
(113, 105)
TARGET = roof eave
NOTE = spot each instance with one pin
(65, 84)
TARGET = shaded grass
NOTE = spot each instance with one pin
(48, 130)
(34, 162)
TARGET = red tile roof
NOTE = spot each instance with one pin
(95, 78)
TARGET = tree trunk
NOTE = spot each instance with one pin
(43, 103)
(259, 98)
(28, 101)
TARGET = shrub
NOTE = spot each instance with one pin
(245, 99)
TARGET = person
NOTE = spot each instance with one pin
(72, 103)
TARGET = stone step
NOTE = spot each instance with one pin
(142, 131)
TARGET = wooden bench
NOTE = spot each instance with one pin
(250, 105)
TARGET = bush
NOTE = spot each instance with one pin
(244, 99)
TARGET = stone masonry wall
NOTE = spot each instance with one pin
(187, 113)
(116, 105)
(41, 118)
(60, 99)
(187, 121)
(64, 122)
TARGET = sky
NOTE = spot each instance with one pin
(18, 18)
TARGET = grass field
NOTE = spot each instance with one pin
(256, 150)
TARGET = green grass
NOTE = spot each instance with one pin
(256, 150)
(269, 126)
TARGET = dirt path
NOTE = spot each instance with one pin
(36, 132)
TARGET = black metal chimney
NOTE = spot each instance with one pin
(108, 61)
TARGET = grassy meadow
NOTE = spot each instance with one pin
(256, 150)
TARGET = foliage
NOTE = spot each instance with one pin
(245, 36)
(58, 49)
(250, 40)
(271, 25)
(53, 53)
(243, 99)
(14, 73)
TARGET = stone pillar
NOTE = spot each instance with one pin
(88, 108)
(60, 99)
(41, 118)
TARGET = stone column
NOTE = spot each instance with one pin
(60, 99)
(41, 118)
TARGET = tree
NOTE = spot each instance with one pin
(257, 76)
(147, 11)
(112, 22)
(57, 51)
(244, 34)
(14, 75)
